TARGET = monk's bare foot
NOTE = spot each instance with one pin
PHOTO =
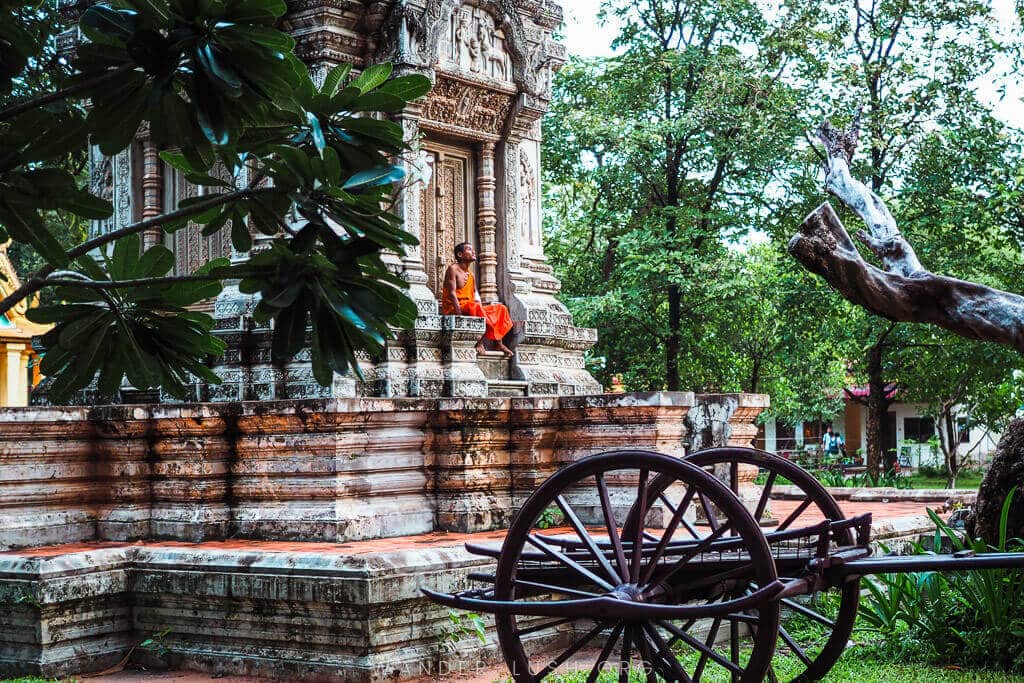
(504, 349)
(480, 350)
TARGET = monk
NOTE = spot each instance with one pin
(461, 298)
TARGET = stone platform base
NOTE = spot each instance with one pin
(286, 611)
(281, 610)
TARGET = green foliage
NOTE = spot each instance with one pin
(237, 113)
(460, 626)
(145, 332)
(550, 517)
(970, 618)
(654, 159)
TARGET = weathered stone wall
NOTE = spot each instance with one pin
(316, 470)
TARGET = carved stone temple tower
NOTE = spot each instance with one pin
(476, 167)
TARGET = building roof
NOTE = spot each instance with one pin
(14, 326)
(864, 392)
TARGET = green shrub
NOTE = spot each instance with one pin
(967, 618)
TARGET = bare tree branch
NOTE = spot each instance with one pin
(902, 290)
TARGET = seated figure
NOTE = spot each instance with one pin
(461, 298)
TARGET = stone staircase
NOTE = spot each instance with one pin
(498, 371)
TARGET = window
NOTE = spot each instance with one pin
(918, 429)
(814, 430)
(785, 437)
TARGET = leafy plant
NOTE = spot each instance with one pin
(156, 645)
(237, 114)
(461, 625)
(969, 617)
(551, 516)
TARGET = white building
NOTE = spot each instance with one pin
(907, 430)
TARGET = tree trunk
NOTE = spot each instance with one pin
(950, 442)
(877, 407)
(672, 344)
(1004, 474)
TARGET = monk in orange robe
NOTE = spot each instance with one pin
(461, 298)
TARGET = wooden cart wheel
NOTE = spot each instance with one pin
(814, 630)
(641, 575)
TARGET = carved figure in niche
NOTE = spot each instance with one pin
(461, 36)
(422, 170)
(474, 48)
(527, 194)
(101, 182)
(460, 297)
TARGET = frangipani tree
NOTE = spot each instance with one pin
(218, 86)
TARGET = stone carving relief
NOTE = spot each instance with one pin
(413, 36)
(122, 188)
(528, 198)
(467, 106)
(476, 45)
(191, 248)
(101, 184)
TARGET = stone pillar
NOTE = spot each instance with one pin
(15, 375)
(486, 224)
(152, 191)
(728, 420)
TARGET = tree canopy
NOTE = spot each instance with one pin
(221, 92)
(668, 163)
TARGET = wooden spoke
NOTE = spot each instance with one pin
(581, 531)
(670, 530)
(709, 512)
(638, 533)
(742, 618)
(573, 649)
(734, 477)
(606, 651)
(700, 647)
(609, 520)
(556, 589)
(797, 650)
(694, 551)
(762, 502)
(665, 654)
(627, 656)
(734, 646)
(709, 641)
(793, 515)
(540, 627)
(809, 613)
(540, 545)
(646, 656)
(683, 521)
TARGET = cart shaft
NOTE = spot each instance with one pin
(898, 564)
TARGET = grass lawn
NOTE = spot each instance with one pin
(967, 480)
(850, 668)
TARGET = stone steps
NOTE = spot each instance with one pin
(507, 388)
(495, 365)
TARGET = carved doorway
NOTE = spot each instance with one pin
(448, 213)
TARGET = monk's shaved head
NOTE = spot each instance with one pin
(459, 248)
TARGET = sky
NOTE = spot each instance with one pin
(585, 37)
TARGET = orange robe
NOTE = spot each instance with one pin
(496, 315)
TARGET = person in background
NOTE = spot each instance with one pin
(832, 444)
